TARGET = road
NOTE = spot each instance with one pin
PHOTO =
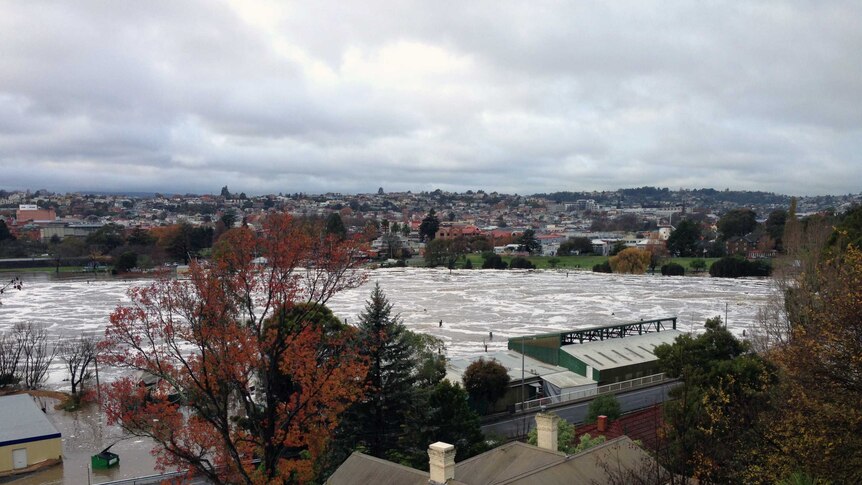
(516, 427)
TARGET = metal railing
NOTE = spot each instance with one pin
(537, 404)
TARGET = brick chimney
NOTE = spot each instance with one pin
(441, 458)
(602, 423)
(546, 425)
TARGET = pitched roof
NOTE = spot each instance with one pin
(618, 352)
(21, 421)
(617, 461)
(504, 462)
(361, 468)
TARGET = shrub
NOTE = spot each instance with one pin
(672, 269)
(494, 261)
(603, 405)
(521, 263)
(602, 268)
(468, 264)
(735, 267)
(630, 260)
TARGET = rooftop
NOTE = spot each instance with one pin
(512, 361)
(618, 352)
(22, 421)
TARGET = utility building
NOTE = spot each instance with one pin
(606, 354)
(27, 437)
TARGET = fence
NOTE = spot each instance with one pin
(537, 404)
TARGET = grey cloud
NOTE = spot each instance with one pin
(347, 96)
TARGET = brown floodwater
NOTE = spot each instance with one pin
(86, 433)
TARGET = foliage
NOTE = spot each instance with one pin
(486, 381)
(468, 264)
(126, 262)
(817, 424)
(521, 262)
(712, 422)
(673, 269)
(228, 341)
(575, 245)
(493, 261)
(553, 262)
(736, 267)
(684, 240)
(737, 222)
(630, 260)
(775, 223)
(335, 226)
(444, 252)
(441, 413)
(429, 226)
(603, 267)
(529, 241)
(603, 405)
(107, 238)
(390, 378)
(565, 437)
(618, 247)
(5, 234)
(697, 264)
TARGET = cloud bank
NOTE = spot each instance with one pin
(523, 97)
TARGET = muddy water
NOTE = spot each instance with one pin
(470, 304)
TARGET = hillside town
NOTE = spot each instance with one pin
(392, 221)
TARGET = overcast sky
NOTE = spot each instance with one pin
(348, 96)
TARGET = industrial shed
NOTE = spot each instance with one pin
(27, 437)
(618, 359)
(605, 354)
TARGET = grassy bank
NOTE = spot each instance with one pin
(44, 269)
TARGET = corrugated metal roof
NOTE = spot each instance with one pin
(619, 352)
(568, 379)
(21, 420)
(509, 359)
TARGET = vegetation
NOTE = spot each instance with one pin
(521, 263)
(575, 246)
(486, 381)
(603, 405)
(737, 222)
(429, 226)
(672, 269)
(736, 267)
(685, 239)
(630, 260)
(240, 345)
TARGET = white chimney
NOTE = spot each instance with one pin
(441, 457)
(546, 425)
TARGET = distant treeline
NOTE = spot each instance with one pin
(663, 194)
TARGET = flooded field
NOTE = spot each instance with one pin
(470, 304)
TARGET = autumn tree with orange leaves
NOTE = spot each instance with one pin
(257, 377)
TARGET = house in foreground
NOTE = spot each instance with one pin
(616, 461)
(27, 438)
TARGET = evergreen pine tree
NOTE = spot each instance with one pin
(390, 376)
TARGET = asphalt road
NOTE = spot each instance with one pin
(520, 425)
